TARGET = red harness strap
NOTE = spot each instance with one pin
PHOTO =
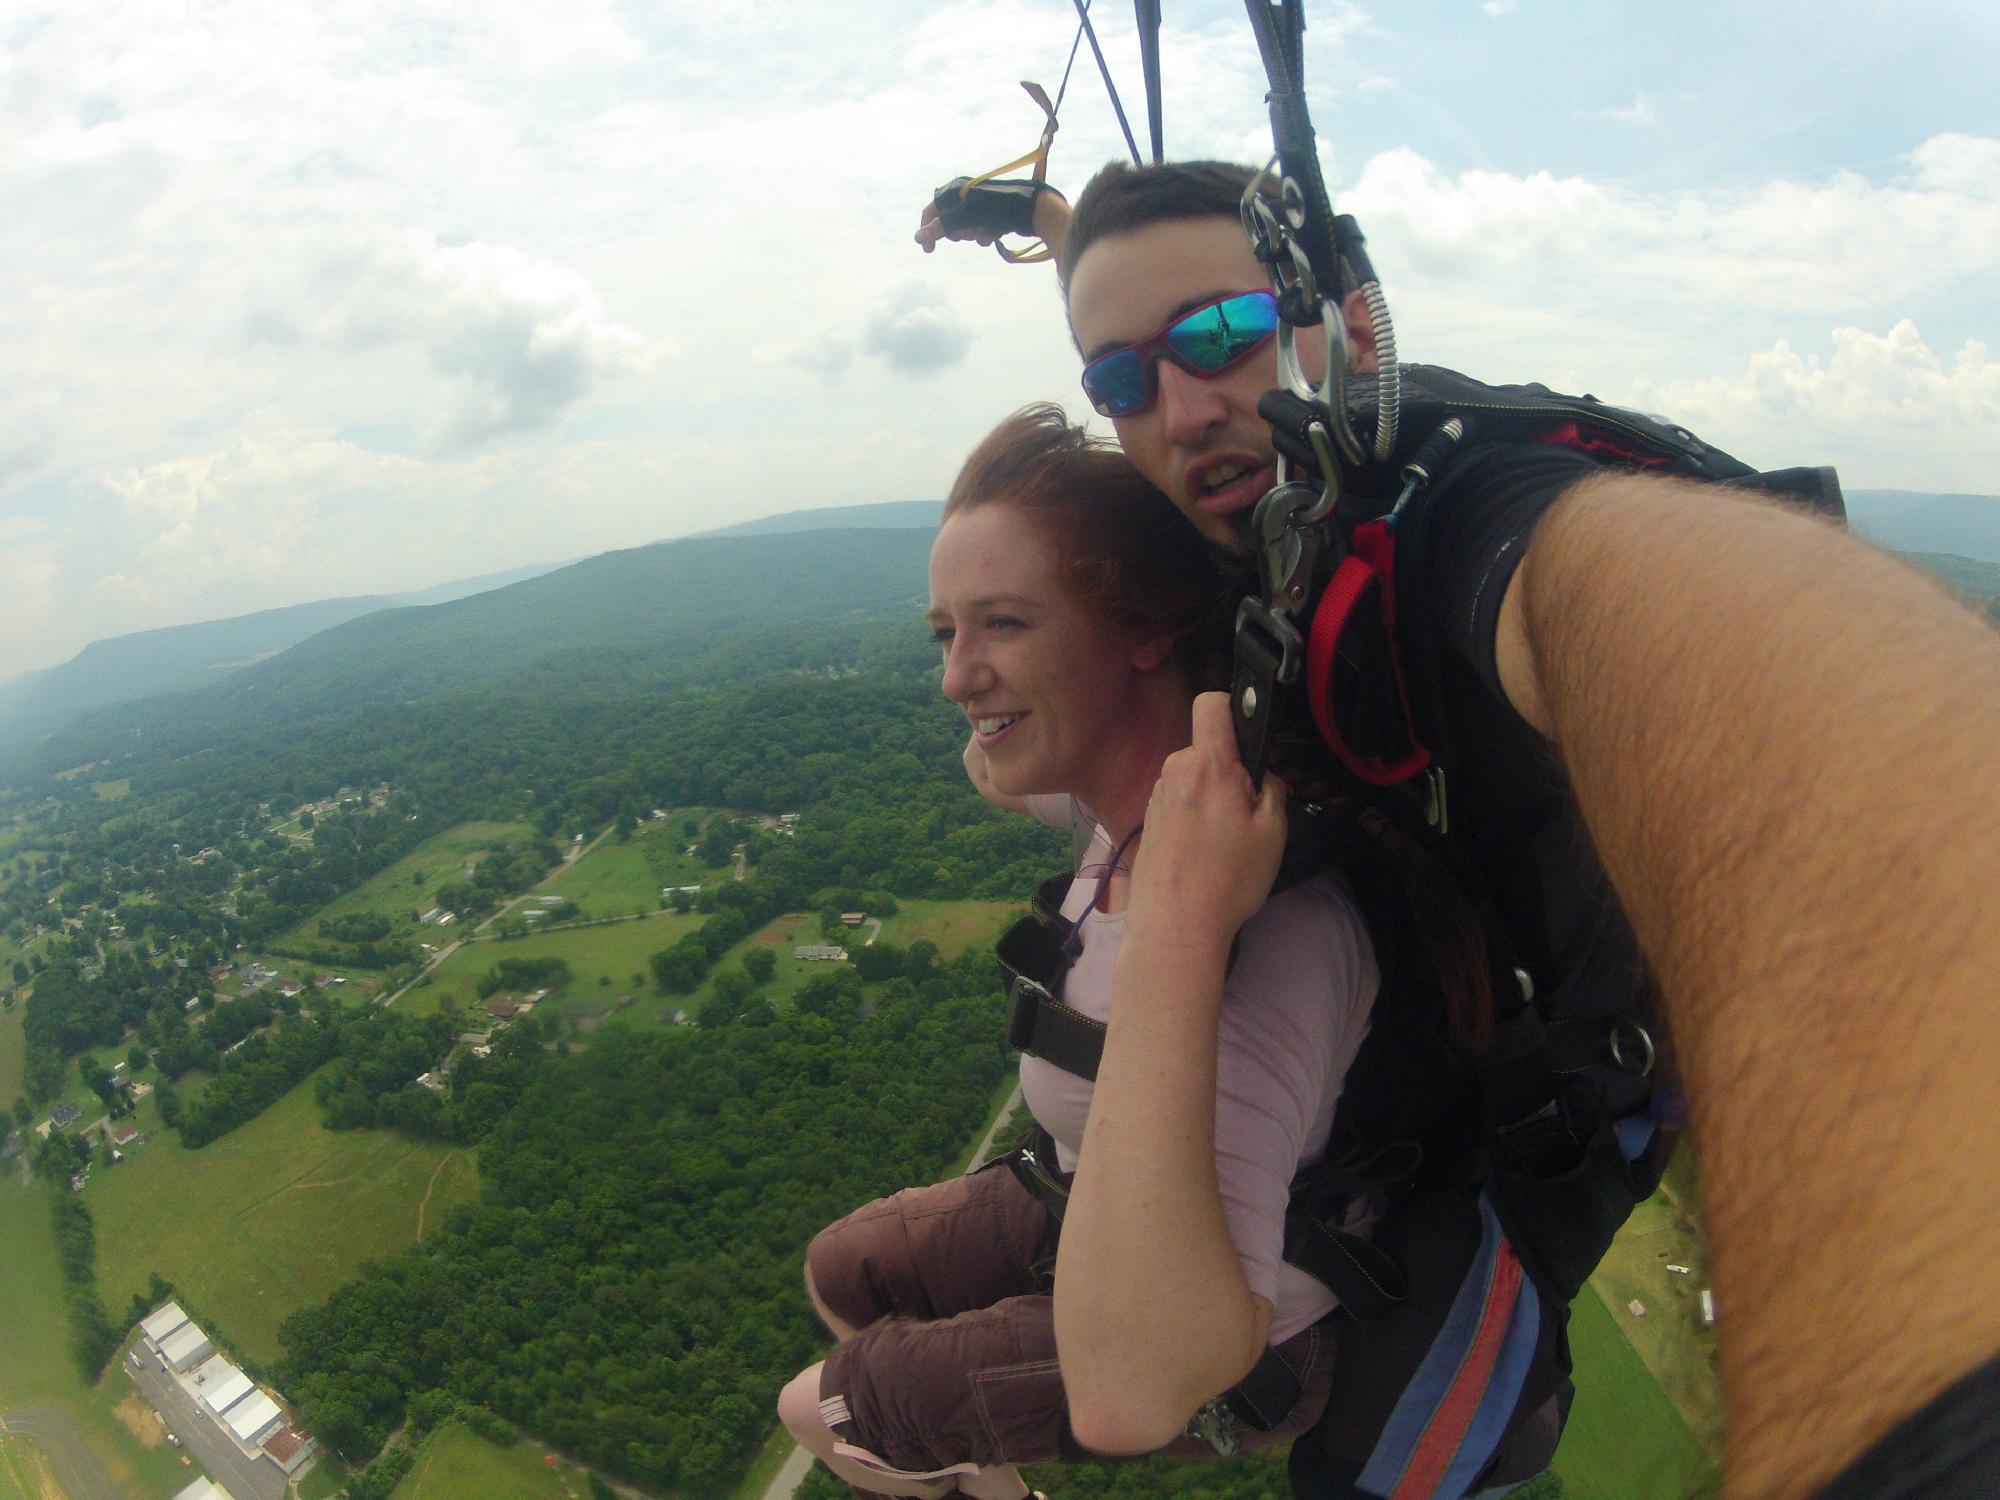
(1373, 561)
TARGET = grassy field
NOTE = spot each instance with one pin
(619, 878)
(36, 1368)
(412, 881)
(1666, 1230)
(457, 1464)
(270, 1218)
(952, 925)
(111, 791)
(13, 1055)
(1626, 1440)
(602, 961)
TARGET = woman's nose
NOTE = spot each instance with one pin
(964, 673)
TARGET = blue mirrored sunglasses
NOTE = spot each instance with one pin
(1204, 342)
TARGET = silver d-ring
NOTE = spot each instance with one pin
(1632, 1048)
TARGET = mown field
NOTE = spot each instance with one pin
(1626, 1440)
(1666, 1230)
(952, 925)
(408, 885)
(458, 1464)
(617, 879)
(270, 1218)
(37, 1370)
(603, 960)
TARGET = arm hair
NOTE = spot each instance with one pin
(1784, 745)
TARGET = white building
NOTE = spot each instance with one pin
(162, 1322)
(253, 1419)
(220, 1384)
(184, 1348)
(203, 1489)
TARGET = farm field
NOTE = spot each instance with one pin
(13, 1054)
(620, 878)
(270, 1218)
(37, 1370)
(602, 960)
(111, 791)
(1625, 1440)
(458, 1464)
(410, 882)
(953, 925)
(1666, 1230)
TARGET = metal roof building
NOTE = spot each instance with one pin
(221, 1385)
(252, 1418)
(163, 1322)
(184, 1348)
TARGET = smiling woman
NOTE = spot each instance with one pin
(1078, 613)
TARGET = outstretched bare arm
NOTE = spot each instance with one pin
(1784, 744)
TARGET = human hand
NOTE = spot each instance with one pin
(930, 229)
(1002, 206)
(1212, 843)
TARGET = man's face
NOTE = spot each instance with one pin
(1201, 440)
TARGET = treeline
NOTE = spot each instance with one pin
(68, 1014)
(260, 1072)
(627, 1287)
(524, 974)
(500, 873)
(92, 1338)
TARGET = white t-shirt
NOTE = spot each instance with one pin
(1295, 1008)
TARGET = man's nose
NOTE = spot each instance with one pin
(1189, 405)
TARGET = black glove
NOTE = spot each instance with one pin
(997, 207)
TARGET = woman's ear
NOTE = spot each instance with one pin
(1152, 651)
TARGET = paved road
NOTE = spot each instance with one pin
(212, 1447)
(75, 1465)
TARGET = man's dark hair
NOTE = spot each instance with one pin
(1122, 198)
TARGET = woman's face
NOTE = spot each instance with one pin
(1044, 680)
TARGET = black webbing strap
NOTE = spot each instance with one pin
(1366, 1280)
(1042, 1026)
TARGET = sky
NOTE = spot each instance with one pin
(314, 300)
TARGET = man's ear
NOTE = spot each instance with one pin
(1152, 651)
(1360, 335)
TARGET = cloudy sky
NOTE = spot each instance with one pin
(360, 296)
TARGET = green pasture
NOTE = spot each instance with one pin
(953, 925)
(13, 1054)
(602, 960)
(1625, 1440)
(111, 791)
(270, 1218)
(458, 1464)
(37, 1369)
(1666, 1230)
(616, 878)
(411, 883)
(24, 1473)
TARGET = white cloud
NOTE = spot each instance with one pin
(1643, 110)
(514, 341)
(1867, 407)
(1498, 8)
(915, 332)
(358, 296)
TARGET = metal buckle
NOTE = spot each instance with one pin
(1025, 997)
(1218, 1426)
(1644, 1054)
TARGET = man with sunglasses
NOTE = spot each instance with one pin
(1780, 745)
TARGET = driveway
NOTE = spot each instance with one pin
(76, 1467)
(246, 1479)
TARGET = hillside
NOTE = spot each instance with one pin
(1915, 521)
(645, 618)
(183, 658)
(922, 515)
